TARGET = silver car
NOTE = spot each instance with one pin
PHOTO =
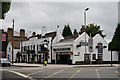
(5, 62)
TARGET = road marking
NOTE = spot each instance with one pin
(75, 74)
(33, 73)
(3, 69)
(117, 72)
(23, 75)
(98, 76)
(54, 74)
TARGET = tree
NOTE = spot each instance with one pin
(5, 8)
(92, 30)
(66, 31)
(114, 45)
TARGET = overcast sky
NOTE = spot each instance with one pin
(33, 15)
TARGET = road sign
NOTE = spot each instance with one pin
(90, 44)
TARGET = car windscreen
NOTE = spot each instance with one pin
(4, 61)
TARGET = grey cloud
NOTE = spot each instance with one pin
(32, 16)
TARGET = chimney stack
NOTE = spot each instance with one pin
(10, 34)
(22, 32)
(34, 34)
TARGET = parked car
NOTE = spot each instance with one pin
(5, 62)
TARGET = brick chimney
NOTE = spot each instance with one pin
(10, 34)
(22, 32)
(75, 32)
(34, 34)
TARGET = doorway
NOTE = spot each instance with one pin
(63, 59)
(87, 58)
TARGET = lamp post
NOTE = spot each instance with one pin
(85, 26)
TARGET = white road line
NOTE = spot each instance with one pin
(23, 75)
(53, 74)
(98, 76)
(34, 73)
(3, 69)
(117, 72)
(75, 74)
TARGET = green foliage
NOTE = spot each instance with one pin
(92, 30)
(5, 9)
(114, 45)
(66, 31)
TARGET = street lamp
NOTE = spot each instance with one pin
(85, 26)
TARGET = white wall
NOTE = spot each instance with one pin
(81, 49)
(9, 52)
(106, 53)
(35, 41)
(97, 39)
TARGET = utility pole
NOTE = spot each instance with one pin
(13, 43)
(111, 58)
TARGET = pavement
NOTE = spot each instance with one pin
(61, 65)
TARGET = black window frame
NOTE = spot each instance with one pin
(94, 56)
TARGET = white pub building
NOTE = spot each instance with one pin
(71, 50)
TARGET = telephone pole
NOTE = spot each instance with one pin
(13, 43)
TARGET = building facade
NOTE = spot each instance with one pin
(32, 50)
(3, 43)
(76, 50)
(16, 49)
(64, 50)
(17, 38)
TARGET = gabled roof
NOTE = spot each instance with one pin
(50, 34)
(98, 37)
(69, 38)
(82, 35)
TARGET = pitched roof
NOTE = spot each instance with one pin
(69, 38)
(50, 34)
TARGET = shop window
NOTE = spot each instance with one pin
(33, 47)
(94, 56)
(24, 48)
(100, 49)
(37, 47)
(100, 56)
(9, 49)
(78, 52)
(28, 47)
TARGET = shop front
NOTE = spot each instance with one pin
(63, 55)
(63, 58)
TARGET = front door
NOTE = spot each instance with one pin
(87, 58)
(63, 58)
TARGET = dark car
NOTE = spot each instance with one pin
(4, 62)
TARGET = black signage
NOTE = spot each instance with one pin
(59, 49)
(100, 49)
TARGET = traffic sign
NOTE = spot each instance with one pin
(90, 44)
